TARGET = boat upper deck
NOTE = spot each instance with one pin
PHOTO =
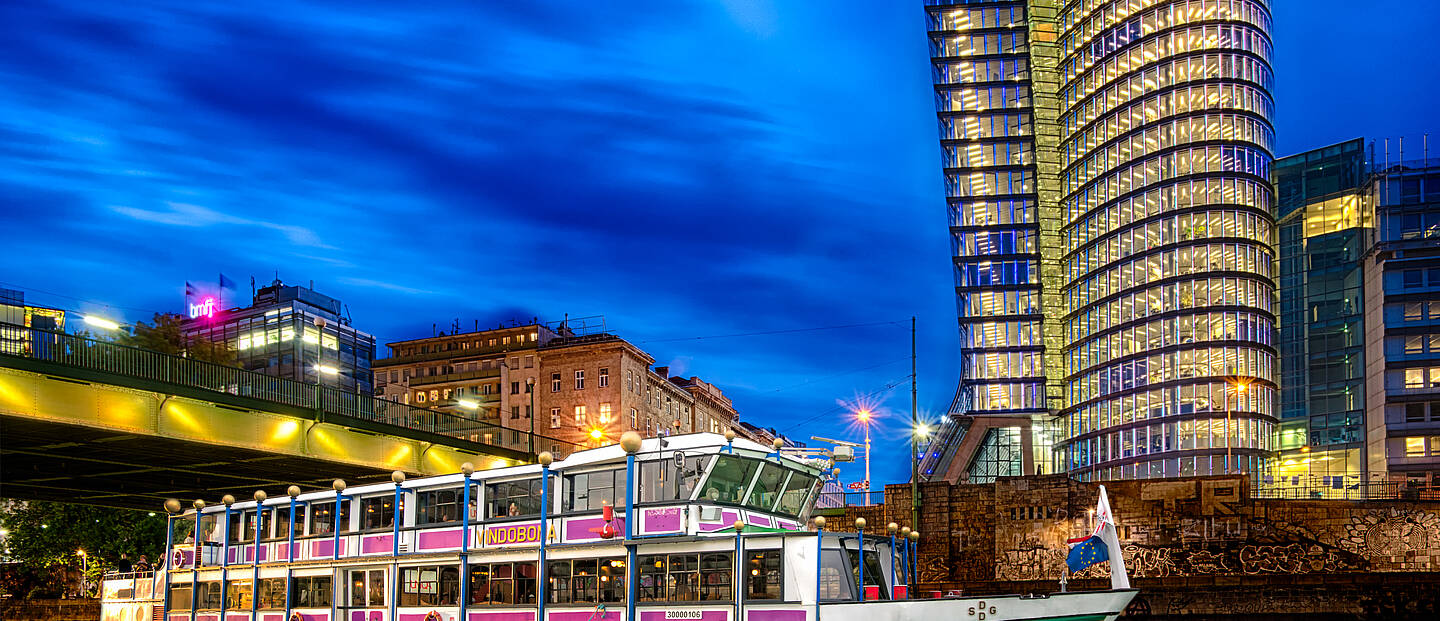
(690, 485)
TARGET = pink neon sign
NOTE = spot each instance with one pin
(203, 309)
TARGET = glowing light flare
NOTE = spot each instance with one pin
(285, 431)
(326, 369)
(596, 434)
(101, 322)
(399, 455)
(469, 404)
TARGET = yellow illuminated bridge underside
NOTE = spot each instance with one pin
(101, 406)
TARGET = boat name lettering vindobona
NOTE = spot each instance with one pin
(512, 534)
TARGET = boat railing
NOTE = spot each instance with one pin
(129, 586)
(573, 527)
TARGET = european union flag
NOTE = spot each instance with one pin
(1088, 552)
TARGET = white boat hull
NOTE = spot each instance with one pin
(1074, 606)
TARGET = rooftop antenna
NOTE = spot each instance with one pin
(455, 326)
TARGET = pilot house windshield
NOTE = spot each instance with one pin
(777, 488)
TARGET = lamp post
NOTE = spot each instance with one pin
(864, 417)
(84, 571)
(530, 387)
(1238, 386)
(322, 370)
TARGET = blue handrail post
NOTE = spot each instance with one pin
(260, 497)
(860, 554)
(225, 539)
(631, 443)
(398, 477)
(905, 557)
(545, 460)
(739, 570)
(293, 492)
(339, 487)
(466, 469)
(819, 562)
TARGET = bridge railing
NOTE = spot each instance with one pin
(133, 362)
(1341, 488)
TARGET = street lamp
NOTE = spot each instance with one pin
(1239, 386)
(864, 417)
(84, 571)
(101, 322)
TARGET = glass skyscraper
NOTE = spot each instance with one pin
(1107, 177)
(1325, 226)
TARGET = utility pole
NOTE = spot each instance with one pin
(914, 438)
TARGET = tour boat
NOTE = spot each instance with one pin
(554, 541)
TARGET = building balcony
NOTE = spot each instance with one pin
(427, 380)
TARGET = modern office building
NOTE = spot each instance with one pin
(16, 314)
(1107, 179)
(1402, 323)
(292, 332)
(1325, 226)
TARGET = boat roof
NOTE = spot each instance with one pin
(650, 448)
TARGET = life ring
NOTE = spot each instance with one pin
(433, 615)
(178, 559)
(296, 616)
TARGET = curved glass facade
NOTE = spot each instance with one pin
(1167, 234)
(980, 61)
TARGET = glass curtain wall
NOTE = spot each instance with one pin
(983, 93)
(1165, 152)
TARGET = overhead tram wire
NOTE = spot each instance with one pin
(770, 332)
(840, 374)
(841, 408)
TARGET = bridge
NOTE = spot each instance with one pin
(89, 421)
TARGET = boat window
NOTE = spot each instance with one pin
(874, 575)
(588, 491)
(271, 594)
(662, 481)
(378, 512)
(180, 596)
(367, 588)
(211, 527)
(586, 581)
(431, 585)
(184, 529)
(767, 488)
(686, 577)
(438, 506)
(280, 516)
(729, 478)
(763, 577)
(208, 596)
(311, 591)
(512, 498)
(502, 583)
(237, 595)
(836, 579)
(242, 526)
(792, 500)
(322, 518)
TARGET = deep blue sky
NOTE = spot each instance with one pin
(683, 168)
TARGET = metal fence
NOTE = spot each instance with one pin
(1341, 488)
(837, 500)
(103, 356)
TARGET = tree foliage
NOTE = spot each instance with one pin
(46, 537)
(165, 336)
